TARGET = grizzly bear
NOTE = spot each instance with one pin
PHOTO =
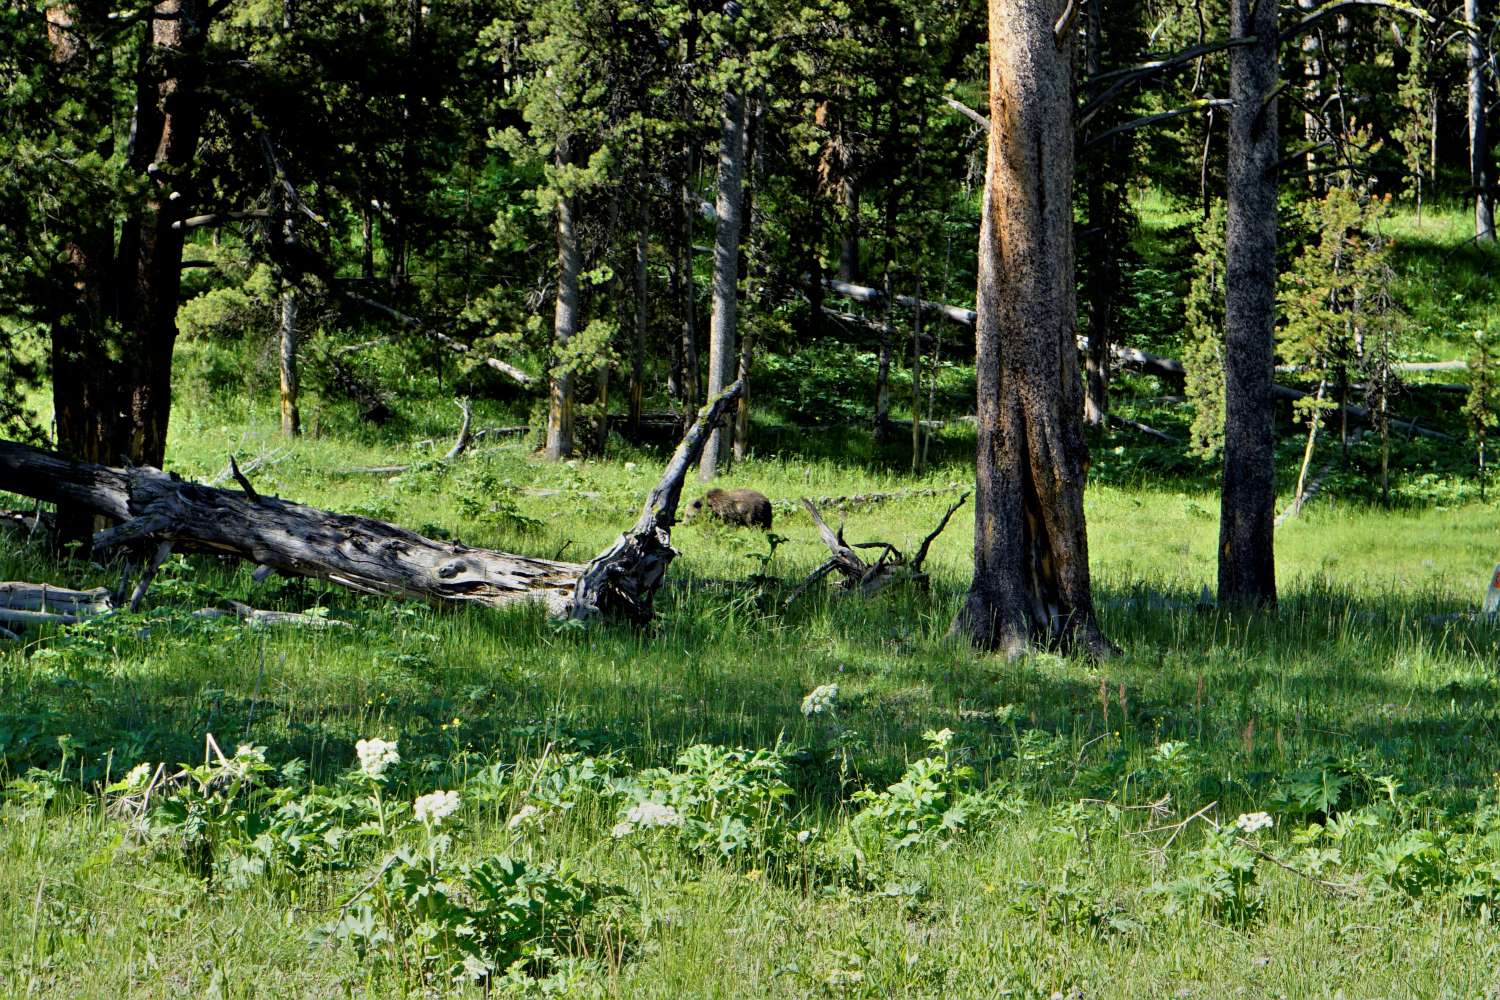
(747, 508)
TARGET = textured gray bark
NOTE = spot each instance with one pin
(291, 419)
(1247, 564)
(1479, 156)
(1096, 361)
(642, 317)
(721, 329)
(564, 325)
(1031, 574)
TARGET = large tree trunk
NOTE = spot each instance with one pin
(158, 511)
(291, 418)
(1031, 573)
(721, 331)
(565, 324)
(118, 410)
(1247, 564)
(1479, 153)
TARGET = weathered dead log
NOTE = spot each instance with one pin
(254, 616)
(58, 600)
(366, 555)
(870, 578)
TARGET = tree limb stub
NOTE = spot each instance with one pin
(893, 567)
(361, 553)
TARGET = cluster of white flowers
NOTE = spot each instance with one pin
(375, 756)
(1250, 822)
(644, 815)
(434, 807)
(246, 753)
(527, 815)
(823, 698)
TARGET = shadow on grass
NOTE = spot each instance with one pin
(1332, 674)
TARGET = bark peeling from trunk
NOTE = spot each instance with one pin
(1031, 575)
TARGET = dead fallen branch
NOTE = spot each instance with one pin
(245, 613)
(869, 578)
(57, 600)
(522, 378)
(1140, 428)
(361, 553)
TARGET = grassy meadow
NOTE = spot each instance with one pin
(945, 824)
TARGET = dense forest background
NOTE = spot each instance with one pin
(600, 213)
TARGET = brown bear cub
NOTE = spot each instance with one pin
(746, 508)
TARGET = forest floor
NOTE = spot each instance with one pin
(945, 825)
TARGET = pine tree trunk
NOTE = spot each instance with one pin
(721, 331)
(291, 420)
(1031, 573)
(688, 342)
(1096, 364)
(642, 317)
(1247, 566)
(883, 367)
(916, 385)
(565, 324)
(742, 407)
(1479, 154)
(1313, 131)
(118, 410)
(849, 243)
(366, 240)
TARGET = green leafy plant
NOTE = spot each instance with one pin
(934, 801)
(715, 803)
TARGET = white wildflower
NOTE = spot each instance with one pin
(823, 698)
(648, 814)
(1251, 822)
(434, 807)
(375, 756)
(524, 816)
(246, 753)
(643, 816)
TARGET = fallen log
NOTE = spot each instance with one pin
(47, 598)
(157, 509)
(254, 616)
